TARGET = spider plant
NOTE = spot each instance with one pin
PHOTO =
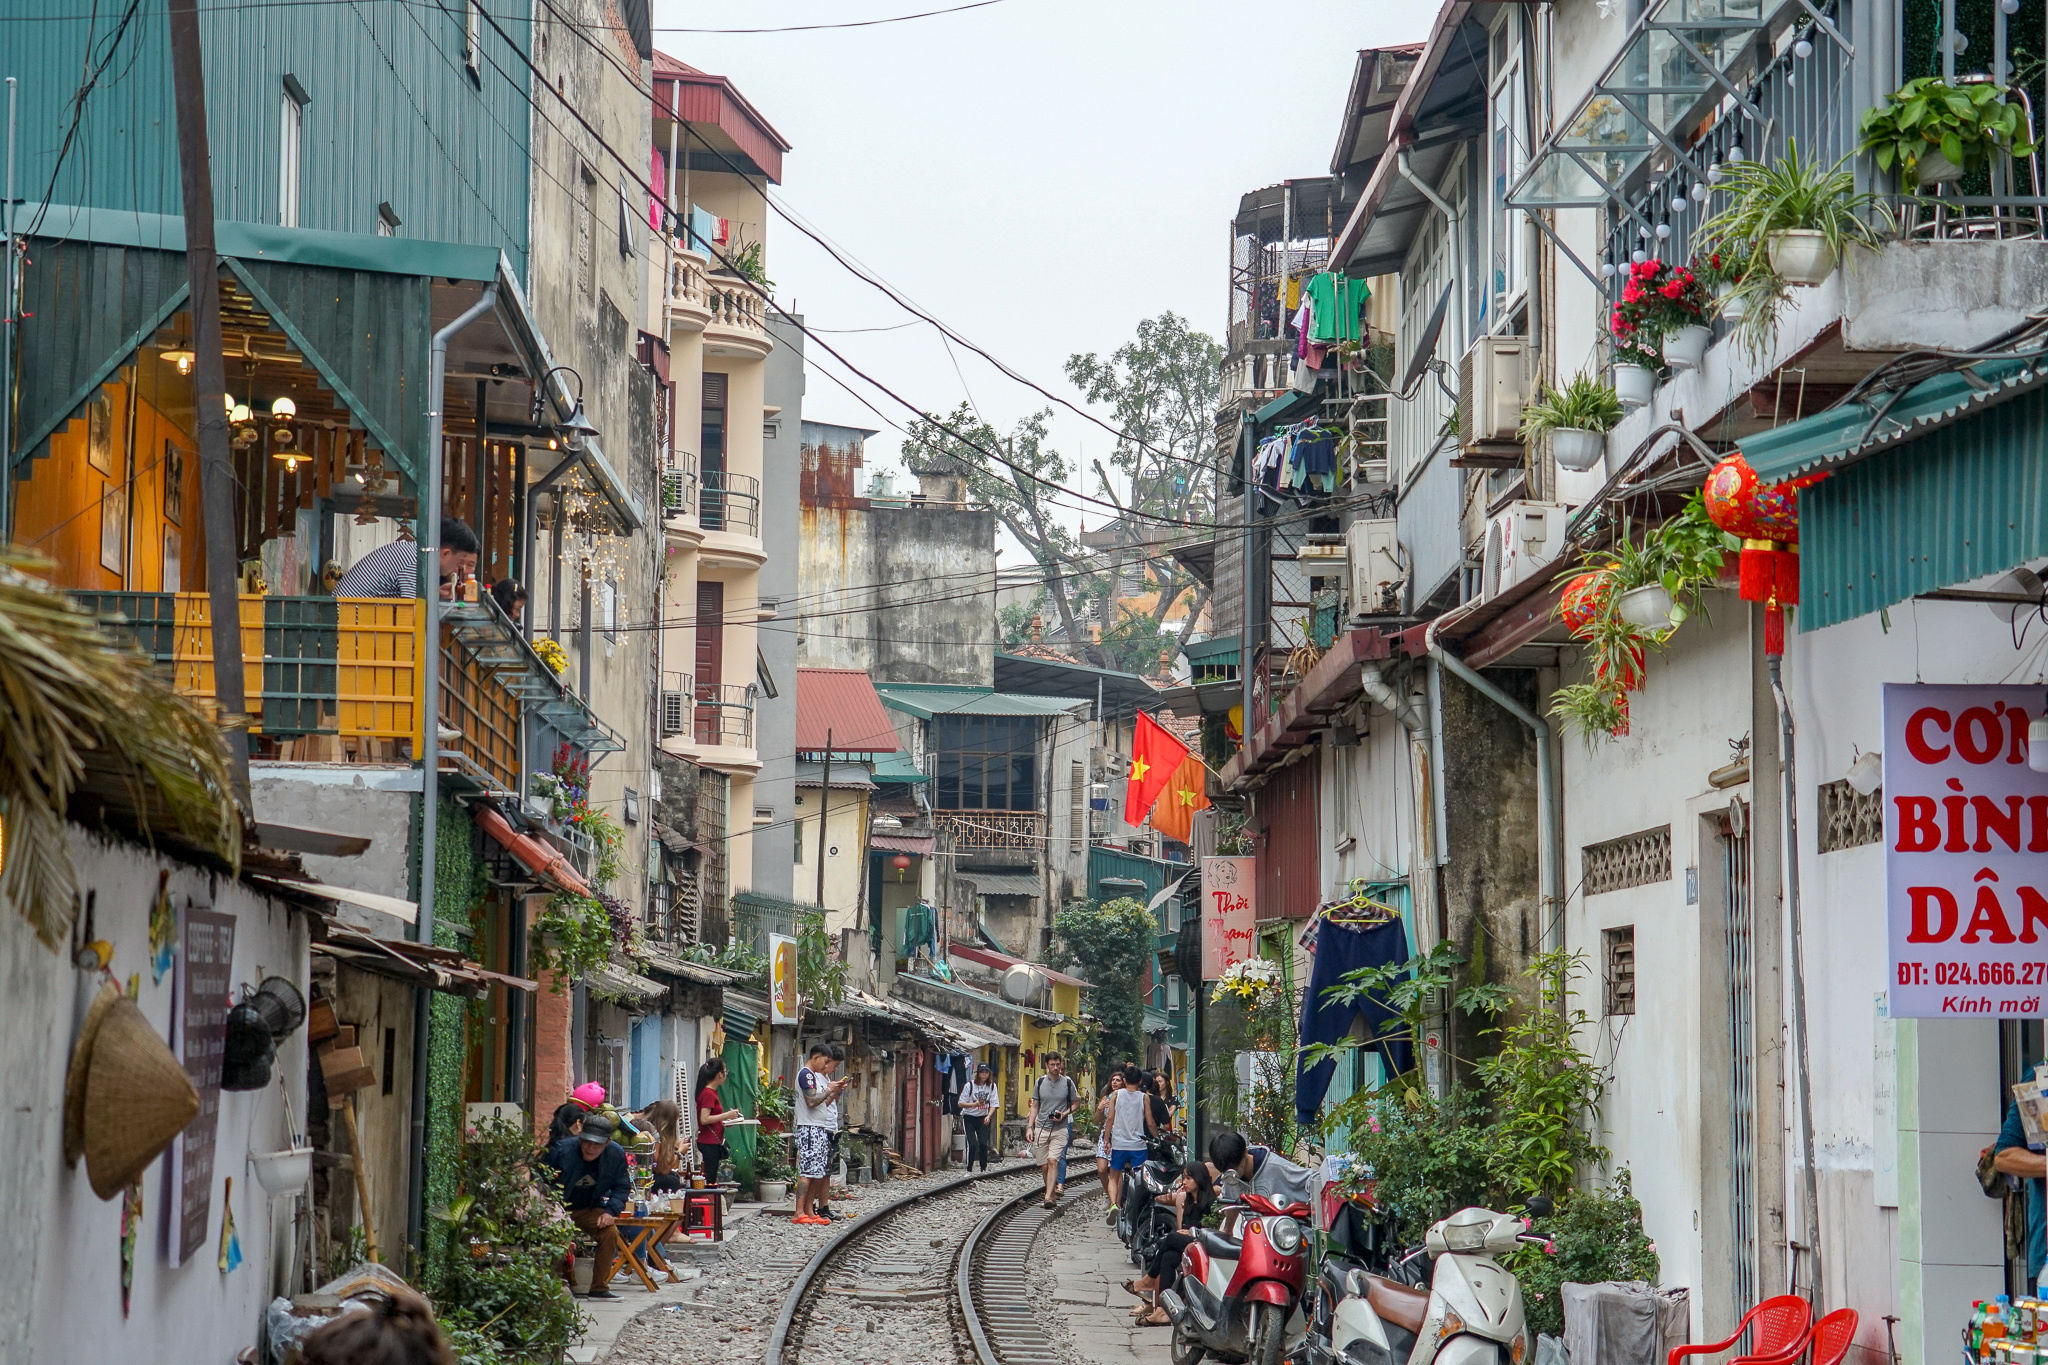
(70, 697)
(1585, 404)
(1790, 194)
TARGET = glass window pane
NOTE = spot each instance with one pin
(1023, 782)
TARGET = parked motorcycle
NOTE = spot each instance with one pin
(1143, 1218)
(1471, 1314)
(1240, 1291)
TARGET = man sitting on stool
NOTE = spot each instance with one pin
(595, 1185)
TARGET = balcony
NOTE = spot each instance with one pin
(737, 322)
(730, 502)
(1006, 830)
(724, 716)
(688, 301)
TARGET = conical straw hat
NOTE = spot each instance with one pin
(137, 1099)
(74, 1077)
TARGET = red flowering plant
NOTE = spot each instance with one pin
(1727, 266)
(1657, 300)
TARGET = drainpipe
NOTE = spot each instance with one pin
(1790, 781)
(429, 537)
(1455, 230)
(1548, 849)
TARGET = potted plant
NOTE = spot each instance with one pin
(1937, 133)
(1577, 420)
(1635, 372)
(1722, 273)
(1664, 303)
(1800, 217)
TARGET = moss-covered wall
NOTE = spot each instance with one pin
(458, 891)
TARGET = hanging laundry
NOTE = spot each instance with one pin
(1339, 302)
(707, 230)
(1341, 948)
(659, 179)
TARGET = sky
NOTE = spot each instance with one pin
(1040, 174)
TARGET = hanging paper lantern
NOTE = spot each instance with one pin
(1583, 598)
(1766, 516)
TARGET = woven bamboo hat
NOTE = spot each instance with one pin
(74, 1076)
(137, 1099)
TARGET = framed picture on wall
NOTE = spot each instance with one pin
(174, 567)
(99, 432)
(114, 528)
(174, 485)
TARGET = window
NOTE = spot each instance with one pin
(1848, 820)
(1507, 155)
(1077, 797)
(473, 40)
(632, 806)
(1632, 860)
(291, 129)
(1618, 948)
(797, 828)
(986, 762)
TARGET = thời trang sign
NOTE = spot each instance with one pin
(1966, 852)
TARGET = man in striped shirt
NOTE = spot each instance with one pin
(394, 570)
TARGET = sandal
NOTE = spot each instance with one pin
(1156, 1318)
(1131, 1287)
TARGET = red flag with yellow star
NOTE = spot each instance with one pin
(1187, 791)
(1155, 753)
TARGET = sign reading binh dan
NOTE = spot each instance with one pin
(1966, 852)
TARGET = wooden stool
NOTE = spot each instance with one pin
(704, 1211)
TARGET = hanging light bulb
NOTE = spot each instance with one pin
(1736, 156)
(1639, 256)
(238, 412)
(1608, 269)
(1803, 49)
(2008, 6)
(1699, 192)
(284, 407)
(1663, 232)
(182, 359)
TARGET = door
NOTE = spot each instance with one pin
(645, 1072)
(710, 658)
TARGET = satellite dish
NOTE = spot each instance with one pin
(1425, 347)
(1021, 982)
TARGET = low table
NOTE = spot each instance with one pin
(640, 1239)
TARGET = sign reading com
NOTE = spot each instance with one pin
(1965, 828)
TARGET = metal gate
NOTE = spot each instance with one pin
(1738, 907)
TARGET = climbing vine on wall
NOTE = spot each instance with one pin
(458, 895)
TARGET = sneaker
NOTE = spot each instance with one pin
(600, 1294)
(1109, 1218)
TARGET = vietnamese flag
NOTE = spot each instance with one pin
(1154, 755)
(1187, 791)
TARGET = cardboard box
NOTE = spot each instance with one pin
(345, 1071)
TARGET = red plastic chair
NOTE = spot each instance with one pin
(1781, 1325)
(1832, 1336)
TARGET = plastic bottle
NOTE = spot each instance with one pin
(1997, 1319)
(1973, 1332)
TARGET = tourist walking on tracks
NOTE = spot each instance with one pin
(978, 1108)
(817, 1119)
(1052, 1119)
(1128, 1121)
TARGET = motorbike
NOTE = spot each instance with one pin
(1240, 1291)
(1471, 1313)
(1143, 1219)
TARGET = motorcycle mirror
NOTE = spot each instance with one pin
(1540, 1206)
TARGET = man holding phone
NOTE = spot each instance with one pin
(1052, 1119)
(817, 1119)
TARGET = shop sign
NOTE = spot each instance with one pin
(202, 991)
(782, 978)
(1229, 914)
(1965, 831)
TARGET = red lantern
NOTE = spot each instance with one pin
(1766, 516)
(901, 862)
(1583, 598)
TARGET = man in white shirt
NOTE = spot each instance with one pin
(817, 1119)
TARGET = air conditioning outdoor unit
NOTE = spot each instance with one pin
(1521, 539)
(1374, 552)
(1493, 388)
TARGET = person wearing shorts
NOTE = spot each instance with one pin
(817, 1119)
(1052, 1119)
(1130, 1127)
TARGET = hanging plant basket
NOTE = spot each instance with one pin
(1648, 606)
(1634, 385)
(1934, 168)
(1730, 304)
(1801, 256)
(1685, 348)
(1577, 451)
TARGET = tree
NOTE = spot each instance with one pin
(1113, 942)
(1162, 386)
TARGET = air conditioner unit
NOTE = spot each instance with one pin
(1493, 388)
(1375, 561)
(1521, 539)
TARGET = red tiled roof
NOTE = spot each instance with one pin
(537, 857)
(840, 704)
(700, 97)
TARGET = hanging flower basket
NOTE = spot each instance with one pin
(1635, 385)
(1576, 450)
(1648, 606)
(1685, 348)
(1801, 256)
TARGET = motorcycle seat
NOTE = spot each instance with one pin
(1217, 1245)
(1398, 1304)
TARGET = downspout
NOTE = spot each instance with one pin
(1455, 231)
(1548, 850)
(1790, 782)
(429, 537)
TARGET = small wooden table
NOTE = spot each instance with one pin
(640, 1240)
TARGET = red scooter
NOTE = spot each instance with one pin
(1238, 1294)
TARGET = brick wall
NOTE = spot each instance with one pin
(553, 1069)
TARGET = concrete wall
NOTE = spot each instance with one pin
(59, 1284)
(845, 851)
(348, 798)
(774, 793)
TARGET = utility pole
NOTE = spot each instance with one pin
(824, 818)
(209, 387)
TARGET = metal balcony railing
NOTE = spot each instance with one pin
(678, 696)
(993, 829)
(725, 715)
(730, 502)
(679, 484)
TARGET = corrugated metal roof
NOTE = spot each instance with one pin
(989, 957)
(899, 768)
(1966, 499)
(1005, 883)
(1848, 433)
(700, 97)
(845, 776)
(837, 708)
(925, 700)
(1037, 675)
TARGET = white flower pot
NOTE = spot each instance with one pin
(1801, 256)
(285, 1172)
(1934, 168)
(1577, 450)
(1648, 606)
(1634, 385)
(1730, 304)
(1685, 348)
(774, 1191)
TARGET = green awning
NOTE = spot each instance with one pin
(1852, 431)
(1218, 651)
(925, 700)
(898, 767)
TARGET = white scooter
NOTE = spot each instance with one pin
(1470, 1315)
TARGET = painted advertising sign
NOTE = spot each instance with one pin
(782, 978)
(1965, 833)
(1229, 914)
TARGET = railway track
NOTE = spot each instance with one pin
(946, 1263)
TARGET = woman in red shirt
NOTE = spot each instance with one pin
(711, 1118)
